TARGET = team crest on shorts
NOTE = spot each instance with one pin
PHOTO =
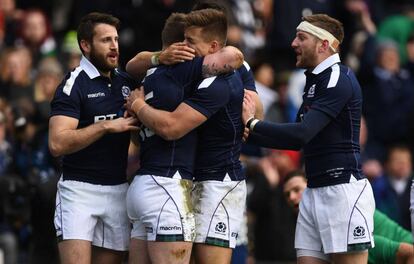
(359, 231)
(221, 227)
(125, 91)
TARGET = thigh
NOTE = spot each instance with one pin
(77, 208)
(161, 207)
(207, 254)
(75, 251)
(219, 209)
(307, 235)
(351, 258)
(107, 256)
(169, 252)
(138, 252)
(344, 214)
(113, 227)
(311, 260)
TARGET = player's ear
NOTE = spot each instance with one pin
(324, 46)
(85, 45)
(214, 46)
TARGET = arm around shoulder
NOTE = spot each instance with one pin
(171, 125)
(138, 65)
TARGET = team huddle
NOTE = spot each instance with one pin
(189, 107)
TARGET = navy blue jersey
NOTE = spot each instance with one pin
(89, 97)
(165, 88)
(247, 77)
(220, 99)
(334, 153)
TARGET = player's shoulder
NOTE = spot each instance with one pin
(125, 76)
(336, 75)
(73, 81)
(245, 67)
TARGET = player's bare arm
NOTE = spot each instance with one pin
(168, 125)
(225, 60)
(175, 53)
(65, 138)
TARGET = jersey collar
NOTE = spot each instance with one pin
(328, 62)
(89, 68)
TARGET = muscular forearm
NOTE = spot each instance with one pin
(139, 64)
(68, 141)
(161, 122)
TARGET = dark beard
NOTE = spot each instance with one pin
(98, 60)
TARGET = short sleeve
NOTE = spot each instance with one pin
(187, 71)
(247, 77)
(67, 99)
(211, 94)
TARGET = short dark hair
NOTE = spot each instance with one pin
(328, 23)
(213, 23)
(208, 4)
(293, 174)
(173, 30)
(86, 28)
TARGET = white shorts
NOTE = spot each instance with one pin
(92, 212)
(336, 219)
(160, 209)
(218, 209)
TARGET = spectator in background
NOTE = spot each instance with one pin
(392, 191)
(12, 16)
(271, 221)
(245, 29)
(388, 92)
(398, 28)
(36, 34)
(71, 54)
(36, 166)
(49, 75)
(264, 76)
(279, 111)
(2, 30)
(15, 74)
(371, 167)
(282, 29)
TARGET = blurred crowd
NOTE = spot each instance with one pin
(38, 46)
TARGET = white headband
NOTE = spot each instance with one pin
(319, 33)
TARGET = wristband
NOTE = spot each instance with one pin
(155, 59)
(139, 107)
(253, 124)
(249, 121)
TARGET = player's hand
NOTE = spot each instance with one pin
(122, 124)
(176, 53)
(137, 96)
(249, 107)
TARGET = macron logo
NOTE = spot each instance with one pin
(94, 95)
